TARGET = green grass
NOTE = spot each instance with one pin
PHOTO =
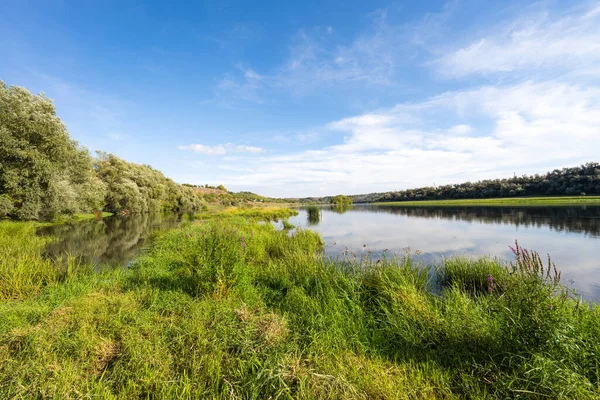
(255, 213)
(511, 201)
(23, 270)
(232, 308)
(313, 213)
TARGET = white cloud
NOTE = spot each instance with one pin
(460, 129)
(249, 149)
(524, 128)
(536, 40)
(221, 149)
(206, 150)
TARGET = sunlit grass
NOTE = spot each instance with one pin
(260, 213)
(234, 308)
(23, 270)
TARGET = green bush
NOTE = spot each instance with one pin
(6, 206)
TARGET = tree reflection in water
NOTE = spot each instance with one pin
(113, 241)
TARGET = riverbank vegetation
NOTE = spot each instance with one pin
(231, 307)
(520, 201)
(45, 175)
(256, 213)
(577, 181)
(341, 200)
(313, 214)
(221, 196)
(580, 181)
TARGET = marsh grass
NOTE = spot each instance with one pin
(313, 214)
(231, 308)
(23, 270)
(287, 225)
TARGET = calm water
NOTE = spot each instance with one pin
(113, 241)
(571, 235)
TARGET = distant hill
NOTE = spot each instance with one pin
(220, 195)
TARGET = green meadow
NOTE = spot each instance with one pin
(230, 307)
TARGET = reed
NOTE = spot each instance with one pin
(314, 214)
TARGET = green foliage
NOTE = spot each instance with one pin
(287, 225)
(341, 200)
(583, 180)
(234, 308)
(6, 205)
(510, 202)
(23, 270)
(42, 170)
(261, 214)
(44, 174)
(313, 214)
(134, 188)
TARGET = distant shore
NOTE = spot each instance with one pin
(506, 201)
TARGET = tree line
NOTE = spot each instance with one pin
(576, 181)
(45, 174)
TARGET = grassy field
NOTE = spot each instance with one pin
(265, 213)
(509, 201)
(232, 308)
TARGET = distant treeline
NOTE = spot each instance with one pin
(576, 181)
(45, 174)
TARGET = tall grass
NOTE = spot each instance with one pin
(23, 270)
(231, 308)
(264, 214)
(313, 214)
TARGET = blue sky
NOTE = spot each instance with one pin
(317, 97)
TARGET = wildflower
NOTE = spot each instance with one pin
(243, 241)
(491, 283)
(549, 306)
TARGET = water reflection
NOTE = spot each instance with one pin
(112, 241)
(313, 215)
(341, 208)
(583, 219)
(571, 235)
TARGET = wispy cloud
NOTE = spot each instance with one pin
(538, 40)
(221, 149)
(317, 60)
(527, 127)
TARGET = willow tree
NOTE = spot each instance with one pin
(137, 188)
(43, 172)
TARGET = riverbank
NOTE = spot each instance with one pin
(231, 307)
(508, 201)
(73, 218)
